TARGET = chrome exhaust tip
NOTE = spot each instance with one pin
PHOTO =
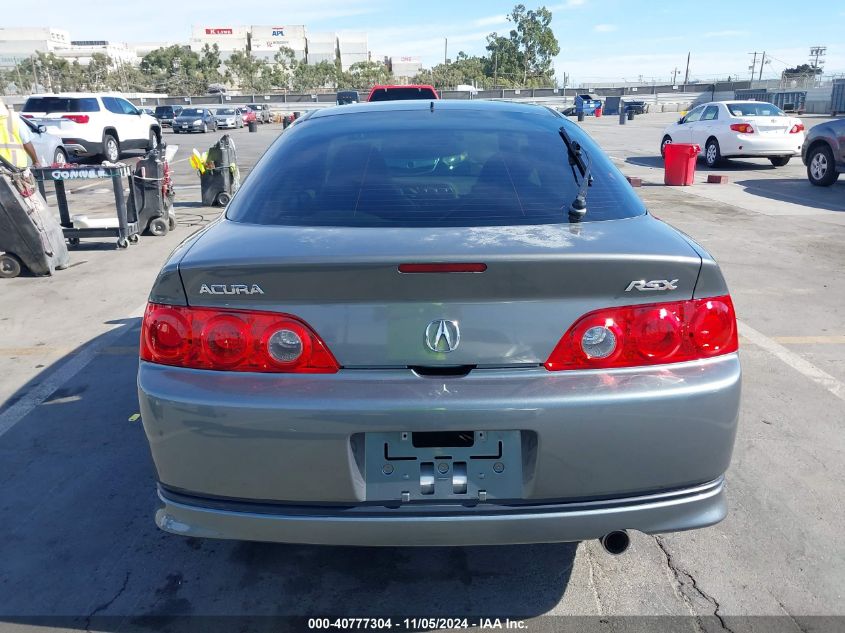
(615, 542)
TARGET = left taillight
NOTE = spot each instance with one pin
(798, 127)
(652, 334)
(77, 118)
(742, 128)
(232, 340)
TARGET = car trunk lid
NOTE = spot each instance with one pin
(346, 283)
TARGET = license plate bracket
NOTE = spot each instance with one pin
(396, 470)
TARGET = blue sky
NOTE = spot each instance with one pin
(600, 40)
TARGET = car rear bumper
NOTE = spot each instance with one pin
(296, 440)
(751, 146)
(686, 509)
(81, 147)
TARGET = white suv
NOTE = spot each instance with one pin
(92, 124)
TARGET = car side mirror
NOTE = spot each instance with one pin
(42, 129)
(681, 121)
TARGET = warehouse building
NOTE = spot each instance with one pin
(17, 44)
(322, 47)
(404, 68)
(352, 48)
(228, 39)
(265, 41)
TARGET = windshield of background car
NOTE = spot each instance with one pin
(61, 104)
(755, 109)
(191, 112)
(401, 94)
(226, 112)
(418, 168)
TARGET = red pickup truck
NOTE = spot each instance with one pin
(398, 93)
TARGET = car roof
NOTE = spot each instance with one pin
(473, 105)
(78, 95)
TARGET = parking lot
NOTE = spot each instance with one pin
(81, 552)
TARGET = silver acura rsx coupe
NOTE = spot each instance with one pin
(438, 323)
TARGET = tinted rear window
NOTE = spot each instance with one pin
(401, 94)
(755, 109)
(61, 104)
(164, 110)
(417, 168)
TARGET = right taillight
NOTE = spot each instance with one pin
(232, 340)
(652, 334)
(742, 128)
(77, 118)
(798, 127)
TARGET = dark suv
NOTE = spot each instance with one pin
(824, 152)
(166, 113)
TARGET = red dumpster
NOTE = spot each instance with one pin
(679, 163)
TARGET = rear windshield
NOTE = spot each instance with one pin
(400, 94)
(755, 109)
(417, 168)
(226, 111)
(160, 110)
(61, 104)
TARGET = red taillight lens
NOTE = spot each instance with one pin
(27, 116)
(232, 340)
(652, 334)
(798, 127)
(742, 128)
(77, 118)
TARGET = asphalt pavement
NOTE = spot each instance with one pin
(80, 550)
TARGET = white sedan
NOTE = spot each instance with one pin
(739, 129)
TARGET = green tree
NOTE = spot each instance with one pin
(283, 68)
(525, 56)
(803, 69)
(250, 74)
(365, 75)
(175, 69)
(310, 76)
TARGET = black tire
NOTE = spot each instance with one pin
(821, 168)
(779, 161)
(223, 199)
(175, 131)
(712, 153)
(158, 227)
(10, 266)
(73, 241)
(666, 141)
(111, 148)
(154, 140)
(60, 157)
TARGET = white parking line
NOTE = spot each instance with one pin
(14, 414)
(819, 376)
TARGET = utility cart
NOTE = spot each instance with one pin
(77, 228)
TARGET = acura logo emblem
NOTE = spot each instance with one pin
(442, 336)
